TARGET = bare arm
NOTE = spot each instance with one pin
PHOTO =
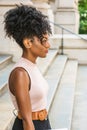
(19, 86)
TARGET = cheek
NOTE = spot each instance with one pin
(39, 51)
(42, 53)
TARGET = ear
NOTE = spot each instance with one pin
(27, 43)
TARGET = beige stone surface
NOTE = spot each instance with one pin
(13, 2)
(67, 4)
(40, 1)
(79, 119)
(66, 14)
(68, 19)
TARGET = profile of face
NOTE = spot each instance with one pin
(37, 47)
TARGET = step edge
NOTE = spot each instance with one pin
(72, 107)
(4, 60)
(57, 84)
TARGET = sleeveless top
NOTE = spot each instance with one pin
(38, 89)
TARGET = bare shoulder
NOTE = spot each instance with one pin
(18, 73)
(18, 78)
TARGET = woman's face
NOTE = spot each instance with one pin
(38, 48)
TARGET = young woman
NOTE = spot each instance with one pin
(28, 89)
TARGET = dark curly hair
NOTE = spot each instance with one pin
(25, 22)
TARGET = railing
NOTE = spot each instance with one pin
(62, 39)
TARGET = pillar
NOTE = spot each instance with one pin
(67, 15)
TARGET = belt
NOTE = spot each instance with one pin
(38, 115)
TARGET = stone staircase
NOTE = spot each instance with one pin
(5, 104)
(5, 67)
(62, 106)
(60, 72)
(79, 118)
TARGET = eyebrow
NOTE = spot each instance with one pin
(45, 37)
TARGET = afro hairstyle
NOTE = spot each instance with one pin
(25, 22)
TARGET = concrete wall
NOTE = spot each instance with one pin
(74, 47)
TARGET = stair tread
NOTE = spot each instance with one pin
(53, 76)
(79, 118)
(62, 106)
(44, 63)
(6, 107)
(4, 74)
(4, 57)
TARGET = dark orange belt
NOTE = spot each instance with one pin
(39, 115)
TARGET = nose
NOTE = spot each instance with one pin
(47, 45)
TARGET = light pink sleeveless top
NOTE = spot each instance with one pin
(39, 86)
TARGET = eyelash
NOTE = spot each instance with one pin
(44, 41)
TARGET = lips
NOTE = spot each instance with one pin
(46, 51)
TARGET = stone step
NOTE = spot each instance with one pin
(62, 107)
(53, 76)
(4, 73)
(4, 60)
(6, 109)
(44, 63)
(6, 106)
(79, 118)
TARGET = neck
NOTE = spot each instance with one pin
(29, 57)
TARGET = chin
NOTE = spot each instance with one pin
(43, 56)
